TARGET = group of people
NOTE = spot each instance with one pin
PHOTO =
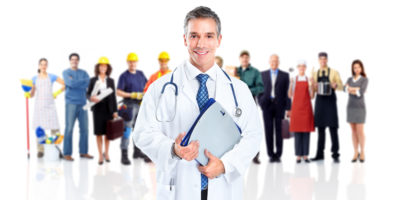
(78, 87)
(280, 97)
(189, 87)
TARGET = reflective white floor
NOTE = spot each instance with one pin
(376, 179)
(85, 179)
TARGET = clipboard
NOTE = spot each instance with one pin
(215, 130)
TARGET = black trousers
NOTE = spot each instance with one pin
(204, 194)
(334, 139)
(272, 130)
(302, 143)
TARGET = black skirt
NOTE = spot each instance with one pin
(101, 115)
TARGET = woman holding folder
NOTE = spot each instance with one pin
(302, 118)
(103, 110)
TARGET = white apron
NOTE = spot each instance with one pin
(45, 114)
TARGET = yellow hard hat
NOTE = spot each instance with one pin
(103, 60)
(163, 56)
(132, 57)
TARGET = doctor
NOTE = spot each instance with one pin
(166, 114)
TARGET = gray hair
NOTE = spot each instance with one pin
(202, 12)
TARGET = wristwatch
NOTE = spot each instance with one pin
(173, 154)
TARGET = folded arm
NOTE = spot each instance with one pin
(76, 83)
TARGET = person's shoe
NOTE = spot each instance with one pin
(124, 157)
(278, 160)
(298, 161)
(100, 162)
(317, 158)
(355, 158)
(137, 154)
(336, 160)
(307, 160)
(105, 158)
(256, 159)
(40, 154)
(271, 160)
(147, 160)
(362, 158)
(69, 158)
(87, 156)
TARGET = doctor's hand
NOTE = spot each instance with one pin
(214, 168)
(189, 152)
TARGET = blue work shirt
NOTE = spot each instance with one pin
(132, 82)
(76, 83)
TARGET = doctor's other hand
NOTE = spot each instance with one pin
(189, 152)
(214, 168)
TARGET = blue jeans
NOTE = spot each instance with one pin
(73, 112)
(135, 110)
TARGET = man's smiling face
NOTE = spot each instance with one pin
(202, 41)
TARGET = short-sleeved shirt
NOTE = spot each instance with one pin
(52, 77)
(132, 82)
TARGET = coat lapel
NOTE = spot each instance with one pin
(277, 79)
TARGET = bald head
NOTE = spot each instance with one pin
(274, 61)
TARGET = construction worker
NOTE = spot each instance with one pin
(130, 87)
(163, 59)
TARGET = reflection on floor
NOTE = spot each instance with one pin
(84, 179)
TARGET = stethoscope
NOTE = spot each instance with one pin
(237, 112)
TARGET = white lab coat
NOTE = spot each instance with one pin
(180, 179)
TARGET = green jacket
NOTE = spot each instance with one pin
(252, 77)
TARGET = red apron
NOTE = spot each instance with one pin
(302, 117)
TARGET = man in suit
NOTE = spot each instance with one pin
(274, 102)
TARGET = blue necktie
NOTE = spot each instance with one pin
(202, 98)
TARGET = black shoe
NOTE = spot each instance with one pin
(100, 162)
(317, 158)
(256, 159)
(124, 157)
(307, 160)
(107, 160)
(271, 160)
(355, 159)
(40, 154)
(298, 161)
(278, 160)
(336, 160)
(147, 160)
(137, 153)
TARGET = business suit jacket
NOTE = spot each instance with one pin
(281, 92)
(110, 100)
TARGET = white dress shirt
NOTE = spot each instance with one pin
(191, 73)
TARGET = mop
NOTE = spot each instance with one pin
(27, 87)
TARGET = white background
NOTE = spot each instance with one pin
(347, 30)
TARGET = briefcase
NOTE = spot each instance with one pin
(115, 128)
(285, 129)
